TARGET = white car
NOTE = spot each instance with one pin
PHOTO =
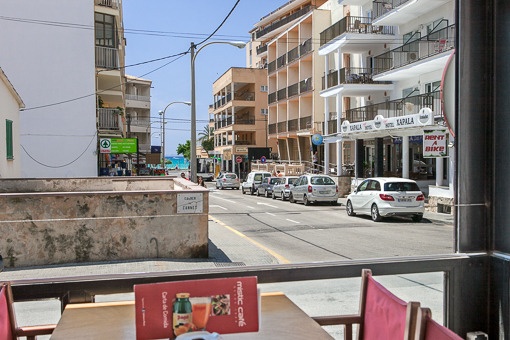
(387, 196)
(282, 190)
(253, 180)
(312, 188)
(227, 180)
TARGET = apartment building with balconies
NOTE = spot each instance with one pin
(138, 109)
(288, 48)
(385, 61)
(239, 112)
(110, 77)
(48, 57)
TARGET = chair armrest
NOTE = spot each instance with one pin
(32, 331)
(337, 319)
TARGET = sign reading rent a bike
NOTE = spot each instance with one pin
(118, 145)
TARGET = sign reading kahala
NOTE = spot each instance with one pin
(434, 144)
(192, 203)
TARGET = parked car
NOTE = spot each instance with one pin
(387, 196)
(253, 180)
(282, 190)
(266, 187)
(227, 180)
(311, 188)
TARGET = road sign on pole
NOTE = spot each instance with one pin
(239, 159)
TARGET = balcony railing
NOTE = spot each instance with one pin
(305, 123)
(396, 108)
(434, 43)
(246, 96)
(138, 97)
(293, 125)
(108, 3)
(292, 90)
(108, 119)
(261, 49)
(107, 57)
(244, 142)
(380, 8)
(290, 56)
(350, 75)
(353, 24)
(284, 21)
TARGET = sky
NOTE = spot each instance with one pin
(156, 29)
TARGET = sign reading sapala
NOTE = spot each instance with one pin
(190, 203)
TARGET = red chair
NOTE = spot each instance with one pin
(428, 329)
(8, 328)
(381, 316)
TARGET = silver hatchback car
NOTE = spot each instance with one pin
(227, 180)
(312, 188)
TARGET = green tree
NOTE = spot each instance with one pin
(208, 145)
(206, 133)
(184, 149)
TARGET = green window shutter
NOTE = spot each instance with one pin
(8, 137)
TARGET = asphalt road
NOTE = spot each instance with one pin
(295, 233)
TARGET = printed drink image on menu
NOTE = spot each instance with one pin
(167, 310)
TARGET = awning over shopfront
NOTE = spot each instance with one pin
(379, 127)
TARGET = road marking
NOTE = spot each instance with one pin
(279, 257)
(271, 214)
(217, 206)
(269, 205)
(220, 198)
(292, 221)
(250, 207)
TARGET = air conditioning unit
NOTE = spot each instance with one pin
(412, 56)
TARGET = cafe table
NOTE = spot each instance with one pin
(280, 319)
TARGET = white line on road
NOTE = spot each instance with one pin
(269, 205)
(220, 198)
(292, 221)
(250, 207)
(217, 206)
(270, 214)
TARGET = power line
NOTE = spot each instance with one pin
(224, 20)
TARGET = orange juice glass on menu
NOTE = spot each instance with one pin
(201, 310)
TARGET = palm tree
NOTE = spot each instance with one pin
(206, 133)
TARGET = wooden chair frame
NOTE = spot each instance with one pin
(30, 332)
(358, 319)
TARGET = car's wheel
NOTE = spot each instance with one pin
(238, 189)
(291, 198)
(305, 200)
(258, 192)
(222, 187)
(266, 194)
(350, 210)
(243, 191)
(252, 191)
(374, 212)
(273, 196)
(283, 196)
(417, 218)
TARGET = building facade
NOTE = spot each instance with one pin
(240, 116)
(52, 68)
(384, 65)
(10, 104)
(287, 46)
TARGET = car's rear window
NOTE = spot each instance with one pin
(274, 180)
(401, 186)
(322, 181)
(292, 180)
(231, 176)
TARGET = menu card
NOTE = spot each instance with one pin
(169, 309)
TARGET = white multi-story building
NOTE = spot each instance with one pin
(384, 62)
(71, 80)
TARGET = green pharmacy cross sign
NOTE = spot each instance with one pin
(118, 145)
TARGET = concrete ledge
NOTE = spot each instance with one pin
(73, 226)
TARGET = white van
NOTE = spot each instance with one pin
(253, 180)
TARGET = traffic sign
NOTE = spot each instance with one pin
(239, 159)
(263, 159)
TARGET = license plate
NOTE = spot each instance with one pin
(323, 192)
(404, 200)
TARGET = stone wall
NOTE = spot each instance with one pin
(54, 227)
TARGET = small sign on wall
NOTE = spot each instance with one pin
(190, 203)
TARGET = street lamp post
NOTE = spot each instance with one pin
(193, 144)
(162, 113)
